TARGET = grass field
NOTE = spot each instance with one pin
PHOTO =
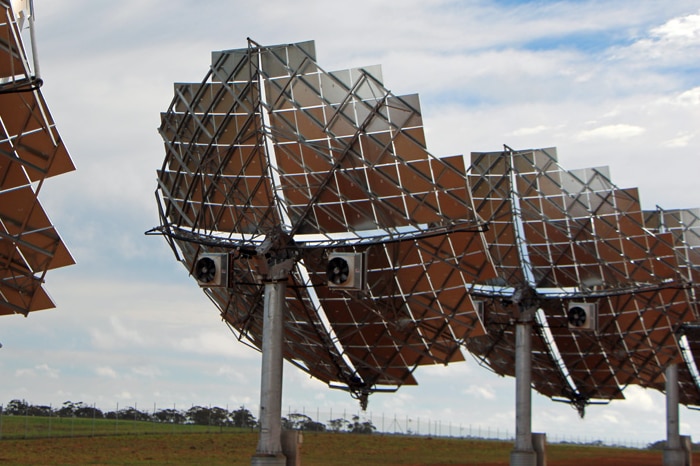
(26, 427)
(137, 444)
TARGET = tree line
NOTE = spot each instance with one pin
(199, 415)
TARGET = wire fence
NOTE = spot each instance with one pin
(406, 424)
(25, 422)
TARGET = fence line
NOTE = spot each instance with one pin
(18, 425)
(427, 427)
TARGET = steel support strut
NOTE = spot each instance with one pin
(523, 453)
(673, 453)
(269, 450)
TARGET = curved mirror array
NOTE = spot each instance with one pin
(400, 258)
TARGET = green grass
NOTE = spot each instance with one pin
(25, 427)
(318, 449)
(104, 442)
(399, 450)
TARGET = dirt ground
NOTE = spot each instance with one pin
(321, 449)
(630, 458)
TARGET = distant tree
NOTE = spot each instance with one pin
(219, 417)
(16, 408)
(243, 418)
(200, 415)
(39, 410)
(295, 421)
(658, 445)
(83, 410)
(298, 421)
(336, 425)
(313, 426)
(67, 410)
(131, 413)
(358, 427)
(171, 416)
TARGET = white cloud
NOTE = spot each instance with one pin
(616, 132)
(665, 45)
(235, 373)
(641, 399)
(481, 391)
(41, 370)
(682, 140)
(214, 344)
(119, 336)
(105, 371)
(681, 30)
(531, 130)
(151, 372)
(690, 98)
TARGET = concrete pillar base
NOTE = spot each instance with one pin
(291, 446)
(674, 457)
(539, 444)
(268, 460)
(687, 447)
(523, 458)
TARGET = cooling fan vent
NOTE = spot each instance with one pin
(346, 270)
(211, 270)
(582, 316)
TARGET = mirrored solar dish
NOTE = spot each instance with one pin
(684, 225)
(403, 259)
(30, 151)
(574, 237)
(270, 148)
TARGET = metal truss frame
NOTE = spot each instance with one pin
(31, 151)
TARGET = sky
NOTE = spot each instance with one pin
(608, 83)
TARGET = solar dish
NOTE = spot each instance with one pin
(612, 294)
(270, 158)
(684, 225)
(399, 258)
(31, 150)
